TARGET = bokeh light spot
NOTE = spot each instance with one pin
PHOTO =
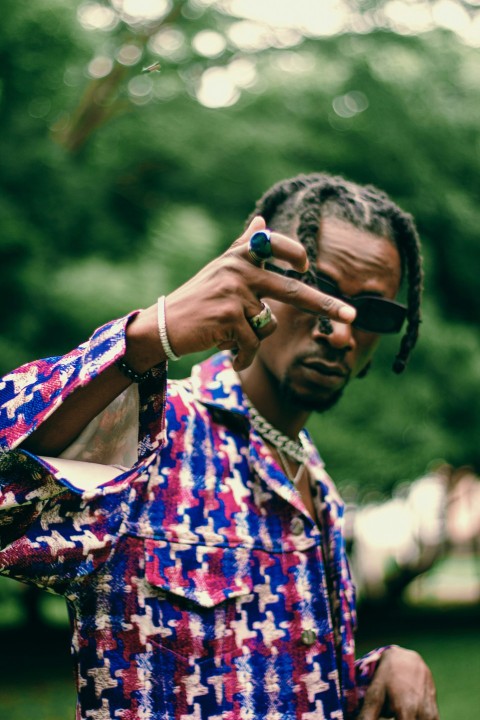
(168, 43)
(129, 54)
(350, 104)
(209, 43)
(137, 11)
(217, 88)
(100, 66)
(93, 16)
(140, 89)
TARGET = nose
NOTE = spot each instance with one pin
(340, 337)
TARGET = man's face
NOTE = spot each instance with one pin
(313, 368)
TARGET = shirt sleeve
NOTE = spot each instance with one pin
(30, 394)
(111, 438)
(50, 531)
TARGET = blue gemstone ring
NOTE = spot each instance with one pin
(260, 247)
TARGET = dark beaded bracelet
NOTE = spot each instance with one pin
(130, 373)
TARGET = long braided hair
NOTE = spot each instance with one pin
(306, 198)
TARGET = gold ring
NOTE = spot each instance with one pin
(262, 318)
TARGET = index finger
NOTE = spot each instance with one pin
(302, 296)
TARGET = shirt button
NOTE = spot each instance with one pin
(309, 637)
(296, 526)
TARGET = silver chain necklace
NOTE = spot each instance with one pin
(294, 479)
(292, 448)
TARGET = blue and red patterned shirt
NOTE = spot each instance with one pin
(197, 583)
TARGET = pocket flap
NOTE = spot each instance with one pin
(206, 574)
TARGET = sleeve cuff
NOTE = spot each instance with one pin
(30, 394)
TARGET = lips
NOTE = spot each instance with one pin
(326, 368)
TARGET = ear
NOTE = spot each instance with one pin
(365, 370)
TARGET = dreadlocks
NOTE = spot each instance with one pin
(299, 203)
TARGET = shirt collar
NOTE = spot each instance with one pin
(215, 383)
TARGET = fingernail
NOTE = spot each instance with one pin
(347, 313)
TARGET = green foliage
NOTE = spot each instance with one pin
(114, 192)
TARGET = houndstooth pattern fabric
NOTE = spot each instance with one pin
(197, 584)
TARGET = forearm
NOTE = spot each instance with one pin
(83, 405)
(47, 404)
(142, 351)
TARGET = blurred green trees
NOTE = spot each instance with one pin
(118, 184)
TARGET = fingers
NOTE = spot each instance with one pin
(267, 330)
(246, 347)
(248, 338)
(258, 223)
(213, 307)
(289, 290)
(283, 247)
(402, 688)
(373, 703)
(300, 295)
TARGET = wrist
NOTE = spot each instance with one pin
(143, 349)
(162, 330)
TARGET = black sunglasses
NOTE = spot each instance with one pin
(374, 314)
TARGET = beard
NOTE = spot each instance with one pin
(309, 403)
(313, 401)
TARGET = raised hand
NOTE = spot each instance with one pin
(214, 309)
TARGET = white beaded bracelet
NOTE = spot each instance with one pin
(162, 329)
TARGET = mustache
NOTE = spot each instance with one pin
(326, 354)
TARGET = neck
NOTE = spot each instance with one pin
(263, 391)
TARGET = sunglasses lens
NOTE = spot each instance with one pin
(378, 316)
(374, 314)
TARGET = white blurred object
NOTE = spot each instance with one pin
(463, 516)
(394, 542)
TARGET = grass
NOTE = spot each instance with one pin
(49, 698)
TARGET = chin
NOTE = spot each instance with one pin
(310, 401)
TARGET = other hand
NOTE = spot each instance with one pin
(402, 688)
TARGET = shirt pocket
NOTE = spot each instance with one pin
(195, 593)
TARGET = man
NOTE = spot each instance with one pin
(208, 577)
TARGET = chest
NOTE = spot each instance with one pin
(215, 484)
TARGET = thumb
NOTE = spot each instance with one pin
(257, 223)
